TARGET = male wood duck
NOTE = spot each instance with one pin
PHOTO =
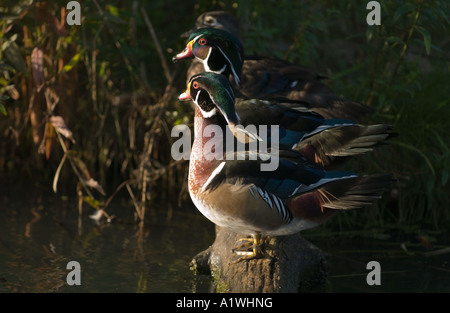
(325, 142)
(235, 194)
(264, 77)
(338, 138)
(216, 19)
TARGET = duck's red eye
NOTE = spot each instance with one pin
(202, 41)
(195, 84)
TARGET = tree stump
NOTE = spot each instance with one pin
(293, 264)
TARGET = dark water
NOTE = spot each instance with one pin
(40, 234)
(407, 264)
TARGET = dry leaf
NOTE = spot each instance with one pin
(51, 98)
(47, 141)
(12, 91)
(61, 127)
(58, 171)
(81, 167)
(97, 215)
(37, 66)
(49, 136)
(94, 184)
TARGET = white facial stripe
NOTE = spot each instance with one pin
(236, 77)
(221, 70)
(197, 37)
(208, 114)
(196, 97)
(204, 113)
(205, 61)
(213, 174)
(208, 69)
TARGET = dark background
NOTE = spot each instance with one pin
(108, 83)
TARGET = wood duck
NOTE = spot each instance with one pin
(216, 19)
(325, 142)
(235, 193)
(343, 138)
(263, 77)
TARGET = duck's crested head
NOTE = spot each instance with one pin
(218, 50)
(212, 94)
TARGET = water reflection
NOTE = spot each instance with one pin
(407, 265)
(39, 237)
(40, 234)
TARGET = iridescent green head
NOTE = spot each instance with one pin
(218, 50)
(212, 94)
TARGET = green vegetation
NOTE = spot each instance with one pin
(102, 96)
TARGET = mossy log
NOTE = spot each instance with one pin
(292, 264)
